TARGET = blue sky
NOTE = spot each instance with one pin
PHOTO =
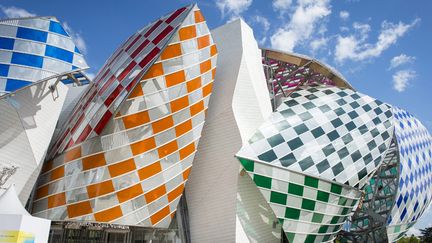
(383, 48)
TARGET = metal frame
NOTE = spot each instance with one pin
(370, 219)
(280, 68)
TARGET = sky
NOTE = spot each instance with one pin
(381, 47)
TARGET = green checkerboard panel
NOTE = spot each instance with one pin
(395, 232)
(309, 209)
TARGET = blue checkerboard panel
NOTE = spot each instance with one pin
(415, 179)
(32, 49)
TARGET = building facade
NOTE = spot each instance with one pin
(192, 135)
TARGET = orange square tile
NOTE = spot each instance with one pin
(47, 166)
(109, 214)
(57, 173)
(175, 193)
(162, 124)
(155, 70)
(136, 119)
(175, 78)
(198, 17)
(149, 170)
(188, 32)
(186, 173)
(136, 92)
(207, 89)
(186, 151)
(122, 167)
(129, 193)
(42, 191)
(179, 103)
(78, 209)
(196, 108)
(213, 73)
(213, 50)
(72, 154)
(100, 189)
(203, 41)
(193, 84)
(143, 146)
(168, 148)
(161, 214)
(183, 128)
(155, 194)
(56, 200)
(205, 66)
(93, 161)
(171, 51)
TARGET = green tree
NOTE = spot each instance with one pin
(426, 235)
(406, 239)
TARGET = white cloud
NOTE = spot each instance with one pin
(263, 21)
(233, 8)
(400, 60)
(265, 24)
(302, 24)
(344, 29)
(14, 12)
(318, 44)
(402, 78)
(77, 38)
(354, 46)
(362, 29)
(281, 5)
(344, 15)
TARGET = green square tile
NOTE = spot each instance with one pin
(292, 213)
(310, 239)
(345, 211)
(336, 189)
(268, 156)
(334, 220)
(397, 229)
(323, 229)
(295, 189)
(342, 201)
(317, 218)
(281, 221)
(308, 204)
(290, 236)
(323, 196)
(262, 181)
(310, 181)
(247, 164)
(277, 197)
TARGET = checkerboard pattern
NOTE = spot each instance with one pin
(329, 132)
(35, 48)
(136, 172)
(396, 232)
(310, 209)
(118, 77)
(415, 173)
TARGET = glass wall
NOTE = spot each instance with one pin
(84, 232)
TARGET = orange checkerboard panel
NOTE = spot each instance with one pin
(146, 153)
